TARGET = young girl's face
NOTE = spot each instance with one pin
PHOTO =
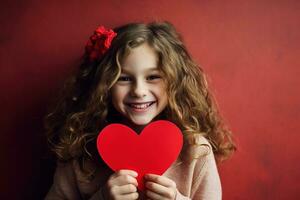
(140, 92)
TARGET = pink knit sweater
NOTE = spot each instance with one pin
(197, 179)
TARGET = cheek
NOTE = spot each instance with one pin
(117, 94)
(161, 92)
(162, 89)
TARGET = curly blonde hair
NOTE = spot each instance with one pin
(84, 107)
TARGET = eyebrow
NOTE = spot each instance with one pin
(148, 70)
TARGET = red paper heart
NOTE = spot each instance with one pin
(153, 151)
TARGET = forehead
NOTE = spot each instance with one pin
(140, 59)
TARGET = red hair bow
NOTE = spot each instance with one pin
(99, 42)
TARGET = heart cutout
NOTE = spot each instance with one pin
(152, 151)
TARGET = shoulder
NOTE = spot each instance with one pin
(68, 170)
(200, 154)
(197, 147)
(65, 171)
(64, 182)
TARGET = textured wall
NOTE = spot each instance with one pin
(249, 49)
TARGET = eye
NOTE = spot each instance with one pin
(124, 78)
(152, 77)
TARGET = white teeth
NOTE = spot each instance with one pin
(140, 106)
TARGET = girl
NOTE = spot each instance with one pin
(134, 75)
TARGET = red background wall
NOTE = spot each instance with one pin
(249, 49)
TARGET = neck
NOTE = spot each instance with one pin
(137, 128)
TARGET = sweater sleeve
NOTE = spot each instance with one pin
(207, 184)
(65, 185)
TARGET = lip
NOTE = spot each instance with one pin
(140, 102)
(136, 110)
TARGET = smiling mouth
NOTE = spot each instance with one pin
(140, 106)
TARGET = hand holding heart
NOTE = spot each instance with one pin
(123, 185)
(151, 152)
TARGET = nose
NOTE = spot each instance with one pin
(139, 89)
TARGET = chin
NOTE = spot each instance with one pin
(141, 122)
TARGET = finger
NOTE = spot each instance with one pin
(123, 180)
(162, 180)
(124, 189)
(130, 196)
(156, 188)
(126, 172)
(153, 195)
